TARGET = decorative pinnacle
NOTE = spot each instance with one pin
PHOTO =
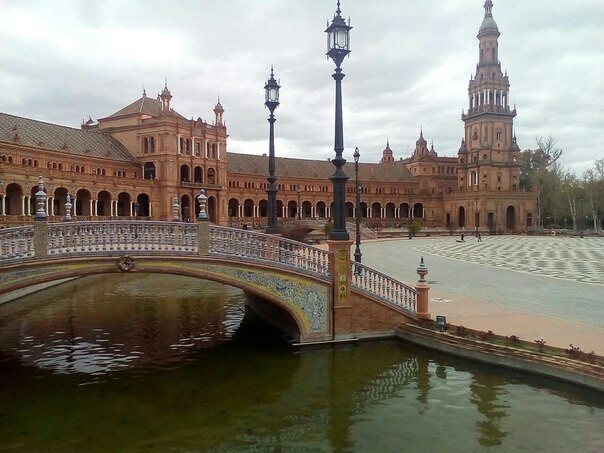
(338, 11)
(422, 270)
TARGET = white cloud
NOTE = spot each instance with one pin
(409, 67)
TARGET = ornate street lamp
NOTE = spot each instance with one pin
(338, 43)
(357, 250)
(271, 91)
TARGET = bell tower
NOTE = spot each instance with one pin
(489, 157)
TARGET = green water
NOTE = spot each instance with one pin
(157, 363)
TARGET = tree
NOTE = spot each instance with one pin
(539, 172)
(593, 183)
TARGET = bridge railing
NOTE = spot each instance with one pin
(260, 247)
(385, 288)
(90, 238)
(17, 243)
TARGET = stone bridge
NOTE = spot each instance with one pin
(314, 295)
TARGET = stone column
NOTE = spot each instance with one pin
(41, 223)
(342, 279)
(422, 308)
(203, 225)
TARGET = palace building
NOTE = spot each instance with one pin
(148, 161)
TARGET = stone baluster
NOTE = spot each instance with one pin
(68, 206)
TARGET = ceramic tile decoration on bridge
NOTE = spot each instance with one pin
(328, 296)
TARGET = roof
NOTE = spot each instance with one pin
(144, 105)
(249, 164)
(16, 130)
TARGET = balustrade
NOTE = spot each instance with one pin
(384, 287)
(17, 243)
(82, 238)
(254, 246)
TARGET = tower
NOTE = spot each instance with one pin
(387, 155)
(488, 158)
(218, 111)
(165, 98)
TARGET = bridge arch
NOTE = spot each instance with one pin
(304, 298)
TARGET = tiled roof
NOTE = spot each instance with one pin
(38, 134)
(321, 169)
(144, 105)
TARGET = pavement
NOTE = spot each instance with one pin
(549, 288)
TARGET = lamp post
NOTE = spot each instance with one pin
(298, 205)
(271, 91)
(338, 44)
(357, 250)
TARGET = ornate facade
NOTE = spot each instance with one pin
(147, 160)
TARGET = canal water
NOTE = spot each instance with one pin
(164, 363)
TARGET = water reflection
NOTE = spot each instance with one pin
(146, 362)
(132, 320)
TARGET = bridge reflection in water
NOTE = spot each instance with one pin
(162, 362)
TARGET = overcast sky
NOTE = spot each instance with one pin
(411, 61)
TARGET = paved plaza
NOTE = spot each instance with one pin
(533, 287)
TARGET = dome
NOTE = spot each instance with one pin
(488, 25)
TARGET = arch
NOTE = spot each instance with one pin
(461, 217)
(263, 205)
(292, 209)
(510, 218)
(306, 209)
(59, 200)
(363, 210)
(248, 208)
(254, 279)
(82, 203)
(185, 173)
(211, 209)
(390, 210)
(233, 208)
(418, 210)
(279, 208)
(321, 210)
(349, 209)
(404, 210)
(212, 179)
(185, 208)
(103, 205)
(123, 204)
(14, 195)
(144, 204)
(376, 210)
(198, 175)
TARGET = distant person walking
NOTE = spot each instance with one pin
(479, 236)
(462, 237)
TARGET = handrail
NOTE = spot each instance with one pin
(384, 288)
(17, 243)
(260, 247)
(148, 237)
